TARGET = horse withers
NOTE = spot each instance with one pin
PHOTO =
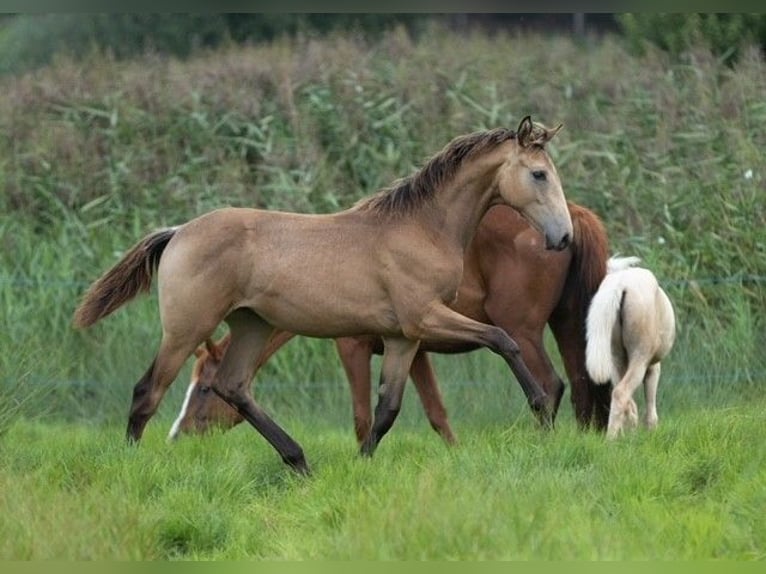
(509, 280)
(388, 266)
(630, 328)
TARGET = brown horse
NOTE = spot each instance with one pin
(510, 281)
(389, 266)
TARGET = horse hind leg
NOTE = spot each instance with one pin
(249, 335)
(622, 399)
(150, 389)
(397, 358)
(355, 355)
(423, 376)
(650, 392)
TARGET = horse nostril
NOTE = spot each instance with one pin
(565, 241)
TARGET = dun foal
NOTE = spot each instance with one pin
(389, 266)
(630, 329)
(509, 280)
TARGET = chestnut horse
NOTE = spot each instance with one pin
(388, 266)
(631, 327)
(510, 281)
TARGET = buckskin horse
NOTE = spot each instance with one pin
(388, 266)
(509, 280)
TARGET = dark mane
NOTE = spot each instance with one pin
(409, 193)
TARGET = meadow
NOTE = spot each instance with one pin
(96, 153)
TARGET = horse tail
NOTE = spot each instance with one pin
(603, 315)
(129, 277)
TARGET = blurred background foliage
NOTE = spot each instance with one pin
(114, 125)
(28, 41)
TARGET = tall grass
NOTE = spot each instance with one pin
(95, 154)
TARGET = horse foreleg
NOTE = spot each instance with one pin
(355, 355)
(398, 354)
(423, 376)
(249, 334)
(443, 324)
(539, 364)
(590, 401)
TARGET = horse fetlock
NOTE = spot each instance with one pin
(135, 430)
(362, 427)
(542, 409)
(368, 446)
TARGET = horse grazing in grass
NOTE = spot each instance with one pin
(510, 281)
(630, 329)
(388, 266)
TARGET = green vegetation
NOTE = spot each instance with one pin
(725, 35)
(687, 491)
(96, 153)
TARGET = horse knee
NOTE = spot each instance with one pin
(505, 343)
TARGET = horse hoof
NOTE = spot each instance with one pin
(367, 449)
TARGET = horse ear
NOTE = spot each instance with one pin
(540, 135)
(218, 350)
(200, 351)
(549, 134)
(524, 131)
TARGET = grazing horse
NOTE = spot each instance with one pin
(388, 266)
(630, 329)
(509, 280)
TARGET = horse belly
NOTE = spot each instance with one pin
(332, 312)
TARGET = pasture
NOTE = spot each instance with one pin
(94, 155)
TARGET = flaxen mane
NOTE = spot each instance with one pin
(411, 192)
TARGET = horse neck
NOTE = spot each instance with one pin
(458, 207)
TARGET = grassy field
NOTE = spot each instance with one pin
(691, 490)
(95, 154)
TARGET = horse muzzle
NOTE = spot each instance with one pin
(559, 243)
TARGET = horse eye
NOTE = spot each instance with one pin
(204, 390)
(539, 175)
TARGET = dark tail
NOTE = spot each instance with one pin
(131, 276)
(590, 252)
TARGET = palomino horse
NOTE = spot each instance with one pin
(630, 329)
(510, 281)
(388, 266)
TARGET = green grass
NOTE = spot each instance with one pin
(693, 489)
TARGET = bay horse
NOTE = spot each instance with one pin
(630, 328)
(510, 281)
(388, 266)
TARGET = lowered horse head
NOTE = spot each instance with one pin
(201, 409)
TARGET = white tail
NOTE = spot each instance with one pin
(602, 317)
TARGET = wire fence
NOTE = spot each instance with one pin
(758, 373)
(21, 281)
